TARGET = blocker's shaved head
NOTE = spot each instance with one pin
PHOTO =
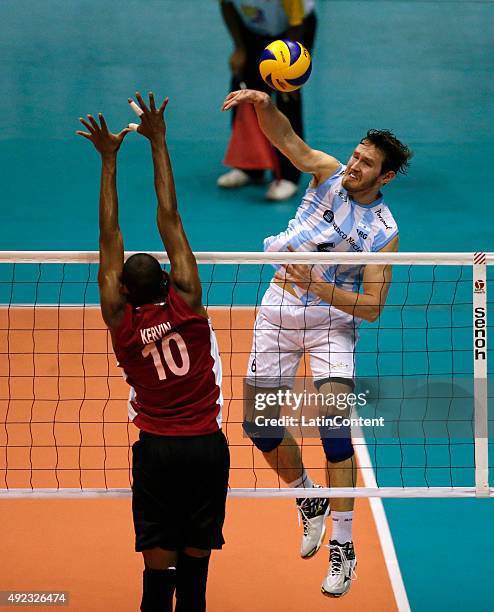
(143, 277)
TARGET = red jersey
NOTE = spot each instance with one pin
(170, 358)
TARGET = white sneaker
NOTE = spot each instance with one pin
(341, 570)
(233, 179)
(313, 512)
(281, 190)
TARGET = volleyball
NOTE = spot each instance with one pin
(285, 65)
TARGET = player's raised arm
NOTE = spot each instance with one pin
(279, 131)
(110, 239)
(183, 266)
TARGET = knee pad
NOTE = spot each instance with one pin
(266, 439)
(338, 444)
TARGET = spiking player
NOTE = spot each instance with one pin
(317, 309)
(165, 344)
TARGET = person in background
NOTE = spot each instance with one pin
(253, 24)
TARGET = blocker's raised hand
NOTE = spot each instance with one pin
(152, 124)
(103, 140)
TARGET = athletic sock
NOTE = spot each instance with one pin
(342, 526)
(158, 586)
(304, 482)
(192, 576)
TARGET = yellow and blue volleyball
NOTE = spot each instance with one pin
(285, 65)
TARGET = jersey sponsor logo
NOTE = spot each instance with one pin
(381, 219)
(339, 231)
(479, 333)
(344, 237)
(325, 246)
(348, 239)
(151, 334)
(343, 195)
(328, 216)
(362, 234)
(356, 247)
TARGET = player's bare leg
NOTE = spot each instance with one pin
(286, 459)
(340, 473)
(283, 456)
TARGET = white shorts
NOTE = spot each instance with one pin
(285, 329)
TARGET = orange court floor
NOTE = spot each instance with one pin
(63, 409)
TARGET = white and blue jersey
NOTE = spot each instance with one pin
(329, 220)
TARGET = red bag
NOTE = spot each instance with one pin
(248, 148)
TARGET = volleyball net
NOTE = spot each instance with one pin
(421, 425)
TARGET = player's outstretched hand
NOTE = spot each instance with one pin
(152, 124)
(258, 98)
(103, 140)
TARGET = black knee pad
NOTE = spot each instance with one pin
(266, 439)
(337, 443)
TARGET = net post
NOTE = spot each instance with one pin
(480, 375)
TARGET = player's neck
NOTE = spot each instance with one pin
(365, 197)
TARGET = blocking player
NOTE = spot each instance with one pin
(317, 309)
(167, 349)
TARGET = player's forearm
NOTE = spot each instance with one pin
(233, 23)
(108, 203)
(361, 305)
(273, 123)
(164, 183)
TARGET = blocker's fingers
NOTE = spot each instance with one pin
(137, 109)
(93, 122)
(87, 125)
(103, 122)
(142, 104)
(152, 105)
(85, 134)
(163, 105)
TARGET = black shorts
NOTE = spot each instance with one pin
(179, 490)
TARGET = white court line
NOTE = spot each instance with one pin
(383, 530)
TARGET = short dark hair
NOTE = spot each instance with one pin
(144, 279)
(397, 155)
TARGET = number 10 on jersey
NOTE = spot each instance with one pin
(169, 360)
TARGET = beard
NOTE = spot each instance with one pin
(356, 186)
